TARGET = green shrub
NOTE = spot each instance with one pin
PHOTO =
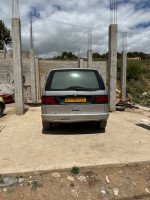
(134, 70)
(136, 86)
(75, 170)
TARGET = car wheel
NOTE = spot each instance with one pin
(47, 125)
(102, 124)
(1, 110)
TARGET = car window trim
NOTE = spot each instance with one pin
(51, 74)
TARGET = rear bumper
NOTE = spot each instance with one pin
(8, 99)
(68, 118)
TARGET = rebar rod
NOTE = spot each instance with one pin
(15, 9)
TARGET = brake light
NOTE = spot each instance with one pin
(101, 99)
(48, 100)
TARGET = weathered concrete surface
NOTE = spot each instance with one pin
(101, 66)
(18, 70)
(23, 147)
(7, 88)
(80, 63)
(123, 75)
(89, 59)
(38, 87)
(112, 68)
(33, 76)
(2, 54)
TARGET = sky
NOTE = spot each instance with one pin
(53, 35)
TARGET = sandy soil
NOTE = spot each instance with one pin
(113, 183)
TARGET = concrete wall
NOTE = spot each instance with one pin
(2, 52)
(6, 67)
(7, 74)
(6, 71)
(46, 66)
(101, 66)
(9, 54)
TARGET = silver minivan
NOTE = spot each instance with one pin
(74, 95)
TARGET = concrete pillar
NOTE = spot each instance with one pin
(18, 72)
(112, 68)
(123, 75)
(89, 59)
(38, 85)
(33, 76)
(80, 63)
(4, 49)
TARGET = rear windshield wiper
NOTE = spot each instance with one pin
(78, 88)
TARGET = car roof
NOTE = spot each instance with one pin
(86, 69)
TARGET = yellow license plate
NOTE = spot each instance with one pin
(75, 99)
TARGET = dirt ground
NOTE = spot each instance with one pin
(111, 183)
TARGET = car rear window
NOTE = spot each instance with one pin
(74, 80)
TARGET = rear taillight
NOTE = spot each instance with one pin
(48, 100)
(101, 99)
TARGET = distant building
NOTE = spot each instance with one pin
(136, 58)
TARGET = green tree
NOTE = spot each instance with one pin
(134, 71)
(67, 55)
(64, 55)
(4, 35)
(119, 55)
(96, 55)
(134, 54)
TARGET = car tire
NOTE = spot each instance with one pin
(102, 124)
(47, 125)
(120, 108)
(1, 110)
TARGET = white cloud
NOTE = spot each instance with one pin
(52, 38)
